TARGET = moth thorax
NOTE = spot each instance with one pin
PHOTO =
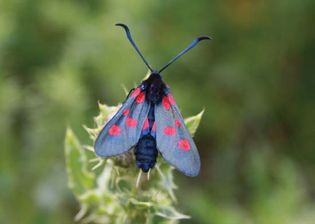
(155, 88)
(154, 94)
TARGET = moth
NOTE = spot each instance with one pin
(150, 122)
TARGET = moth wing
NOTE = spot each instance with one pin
(123, 131)
(173, 138)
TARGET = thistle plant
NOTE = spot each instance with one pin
(106, 188)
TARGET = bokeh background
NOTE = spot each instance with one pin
(255, 80)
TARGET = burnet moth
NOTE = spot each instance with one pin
(150, 122)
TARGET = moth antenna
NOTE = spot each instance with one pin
(148, 175)
(125, 27)
(191, 45)
(138, 178)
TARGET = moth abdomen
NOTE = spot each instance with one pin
(146, 153)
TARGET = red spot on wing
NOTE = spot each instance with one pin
(166, 103)
(146, 124)
(171, 99)
(184, 144)
(126, 112)
(140, 98)
(136, 92)
(114, 130)
(168, 130)
(131, 122)
(154, 126)
(178, 123)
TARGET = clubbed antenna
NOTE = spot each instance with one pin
(134, 44)
(194, 43)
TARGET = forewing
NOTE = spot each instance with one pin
(123, 131)
(173, 138)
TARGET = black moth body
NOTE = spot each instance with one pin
(150, 122)
(145, 150)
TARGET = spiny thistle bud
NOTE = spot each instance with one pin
(106, 188)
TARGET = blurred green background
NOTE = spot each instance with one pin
(255, 80)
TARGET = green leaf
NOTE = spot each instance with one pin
(193, 122)
(79, 178)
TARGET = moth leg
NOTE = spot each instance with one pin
(139, 178)
(148, 174)
(130, 92)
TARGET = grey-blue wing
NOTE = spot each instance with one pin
(173, 138)
(123, 131)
